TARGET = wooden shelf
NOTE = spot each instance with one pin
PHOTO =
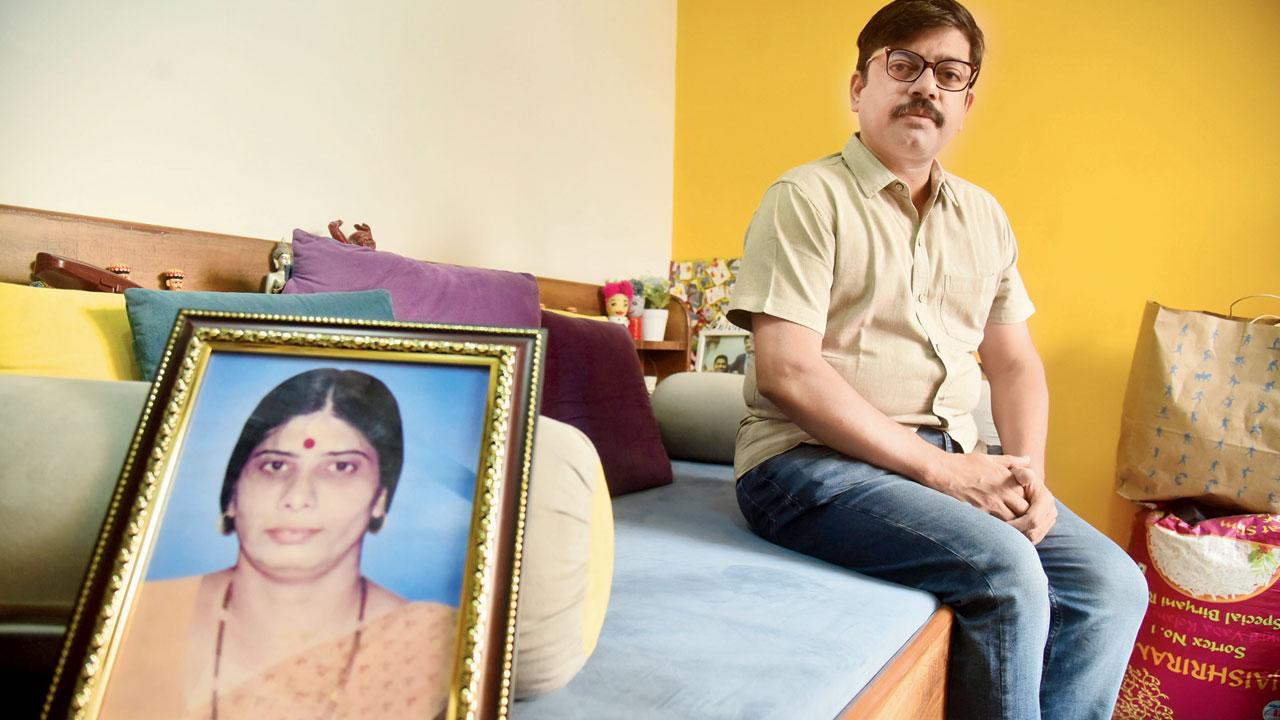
(661, 358)
(227, 263)
(661, 345)
(667, 357)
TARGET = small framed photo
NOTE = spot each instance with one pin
(315, 518)
(725, 351)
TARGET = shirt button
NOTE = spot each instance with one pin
(898, 186)
(922, 298)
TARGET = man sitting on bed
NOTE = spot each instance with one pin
(869, 278)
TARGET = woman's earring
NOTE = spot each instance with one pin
(375, 523)
(226, 523)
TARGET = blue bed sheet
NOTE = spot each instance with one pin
(706, 620)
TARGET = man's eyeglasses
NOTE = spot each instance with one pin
(906, 66)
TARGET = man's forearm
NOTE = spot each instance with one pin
(792, 373)
(822, 404)
(1020, 408)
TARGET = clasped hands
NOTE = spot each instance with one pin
(1005, 486)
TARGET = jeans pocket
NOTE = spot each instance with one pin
(764, 505)
(747, 504)
(776, 492)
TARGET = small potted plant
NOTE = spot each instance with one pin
(657, 295)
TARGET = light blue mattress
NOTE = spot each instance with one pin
(706, 620)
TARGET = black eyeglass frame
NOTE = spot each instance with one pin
(926, 65)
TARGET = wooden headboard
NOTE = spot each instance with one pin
(231, 263)
(210, 261)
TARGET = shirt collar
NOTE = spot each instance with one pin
(945, 181)
(872, 176)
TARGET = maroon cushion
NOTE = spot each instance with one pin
(594, 383)
(420, 291)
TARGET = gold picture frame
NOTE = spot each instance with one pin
(309, 484)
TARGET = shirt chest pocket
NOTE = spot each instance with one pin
(966, 303)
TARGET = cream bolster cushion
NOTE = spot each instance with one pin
(567, 564)
(698, 414)
(63, 459)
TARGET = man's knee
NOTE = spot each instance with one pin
(1117, 588)
(1015, 580)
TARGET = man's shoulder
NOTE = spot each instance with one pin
(825, 172)
(972, 195)
(819, 183)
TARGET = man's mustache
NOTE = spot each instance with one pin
(918, 105)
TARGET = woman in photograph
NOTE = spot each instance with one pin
(294, 629)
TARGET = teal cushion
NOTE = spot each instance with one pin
(153, 312)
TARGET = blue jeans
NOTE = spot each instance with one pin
(1041, 630)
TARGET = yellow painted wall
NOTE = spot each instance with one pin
(1135, 146)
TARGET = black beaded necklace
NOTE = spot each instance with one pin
(342, 676)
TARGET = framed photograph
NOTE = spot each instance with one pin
(725, 351)
(315, 518)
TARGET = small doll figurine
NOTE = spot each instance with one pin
(173, 279)
(119, 269)
(617, 301)
(637, 299)
(635, 316)
(362, 236)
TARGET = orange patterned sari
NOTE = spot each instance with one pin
(402, 668)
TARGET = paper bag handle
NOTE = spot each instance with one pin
(1231, 308)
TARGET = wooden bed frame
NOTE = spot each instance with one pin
(911, 685)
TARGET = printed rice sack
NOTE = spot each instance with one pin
(1210, 644)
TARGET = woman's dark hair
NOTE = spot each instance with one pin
(902, 20)
(360, 400)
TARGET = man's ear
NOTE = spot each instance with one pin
(968, 104)
(856, 84)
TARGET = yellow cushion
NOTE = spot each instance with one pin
(65, 333)
(567, 565)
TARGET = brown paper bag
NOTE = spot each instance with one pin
(1202, 411)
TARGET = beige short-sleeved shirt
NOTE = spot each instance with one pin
(901, 303)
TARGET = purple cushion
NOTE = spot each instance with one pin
(420, 291)
(594, 382)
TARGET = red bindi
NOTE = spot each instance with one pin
(309, 443)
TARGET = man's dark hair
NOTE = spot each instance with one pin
(361, 400)
(902, 20)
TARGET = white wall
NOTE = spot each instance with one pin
(517, 134)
